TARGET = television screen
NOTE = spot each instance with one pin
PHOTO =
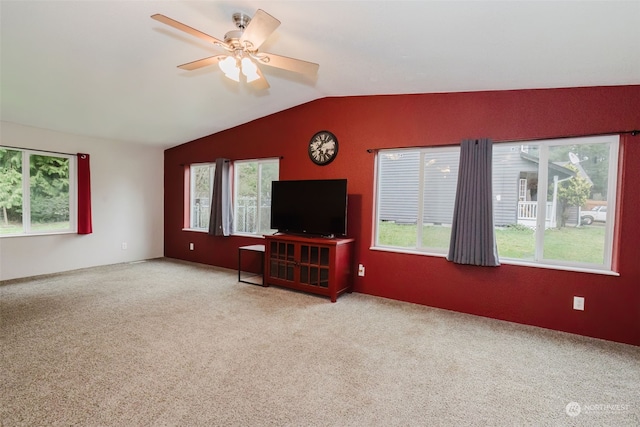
(315, 207)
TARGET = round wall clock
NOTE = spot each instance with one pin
(323, 148)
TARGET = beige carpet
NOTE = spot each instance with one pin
(174, 343)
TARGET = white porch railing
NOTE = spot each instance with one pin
(528, 214)
(246, 216)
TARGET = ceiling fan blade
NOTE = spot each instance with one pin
(259, 29)
(261, 83)
(187, 29)
(291, 64)
(189, 66)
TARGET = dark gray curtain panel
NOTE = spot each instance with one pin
(472, 234)
(221, 220)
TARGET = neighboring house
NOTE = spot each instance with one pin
(515, 186)
(400, 190)
(526, 169)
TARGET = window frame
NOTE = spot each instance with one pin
(422, 153)
(236, 186)
(607, 267)
(26, 154)
(613, 194)
(190, 198)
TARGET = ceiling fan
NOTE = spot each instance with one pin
(241, 47)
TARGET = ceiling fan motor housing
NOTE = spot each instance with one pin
(241, 20)
(232, 36)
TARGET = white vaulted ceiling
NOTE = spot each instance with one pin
(106, 69)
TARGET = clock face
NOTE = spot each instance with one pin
(323, 148)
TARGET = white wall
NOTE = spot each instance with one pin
(127, 206)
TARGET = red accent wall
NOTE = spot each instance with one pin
(533, 296)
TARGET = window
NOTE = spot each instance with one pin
(416, 194)
(201, 181)
(37, 192)
(554, 222)
(252, 199)
(550, 200)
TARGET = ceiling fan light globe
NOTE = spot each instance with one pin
(228, 65)
(233, 75)
(248, 66)
(249, 69)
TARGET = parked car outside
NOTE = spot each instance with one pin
(596, 214)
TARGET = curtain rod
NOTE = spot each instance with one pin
(42, 151)
(204, 162)
(633, 132)
(227, 161)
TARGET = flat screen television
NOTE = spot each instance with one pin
(313, 207)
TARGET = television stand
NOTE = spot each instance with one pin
(319, 265)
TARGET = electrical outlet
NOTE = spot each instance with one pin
(190, 246)
(360, 270)
(124, 246)
(578, 303)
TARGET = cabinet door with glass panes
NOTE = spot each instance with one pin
(282, 260)
(314, 265)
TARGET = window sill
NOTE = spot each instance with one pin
(257, 236)
(506, 262)
(52, 233)
(197, 230)
(406, 251)
(560, 267)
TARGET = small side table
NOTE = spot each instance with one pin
(254, 279)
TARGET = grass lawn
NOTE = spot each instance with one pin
(583, 244)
